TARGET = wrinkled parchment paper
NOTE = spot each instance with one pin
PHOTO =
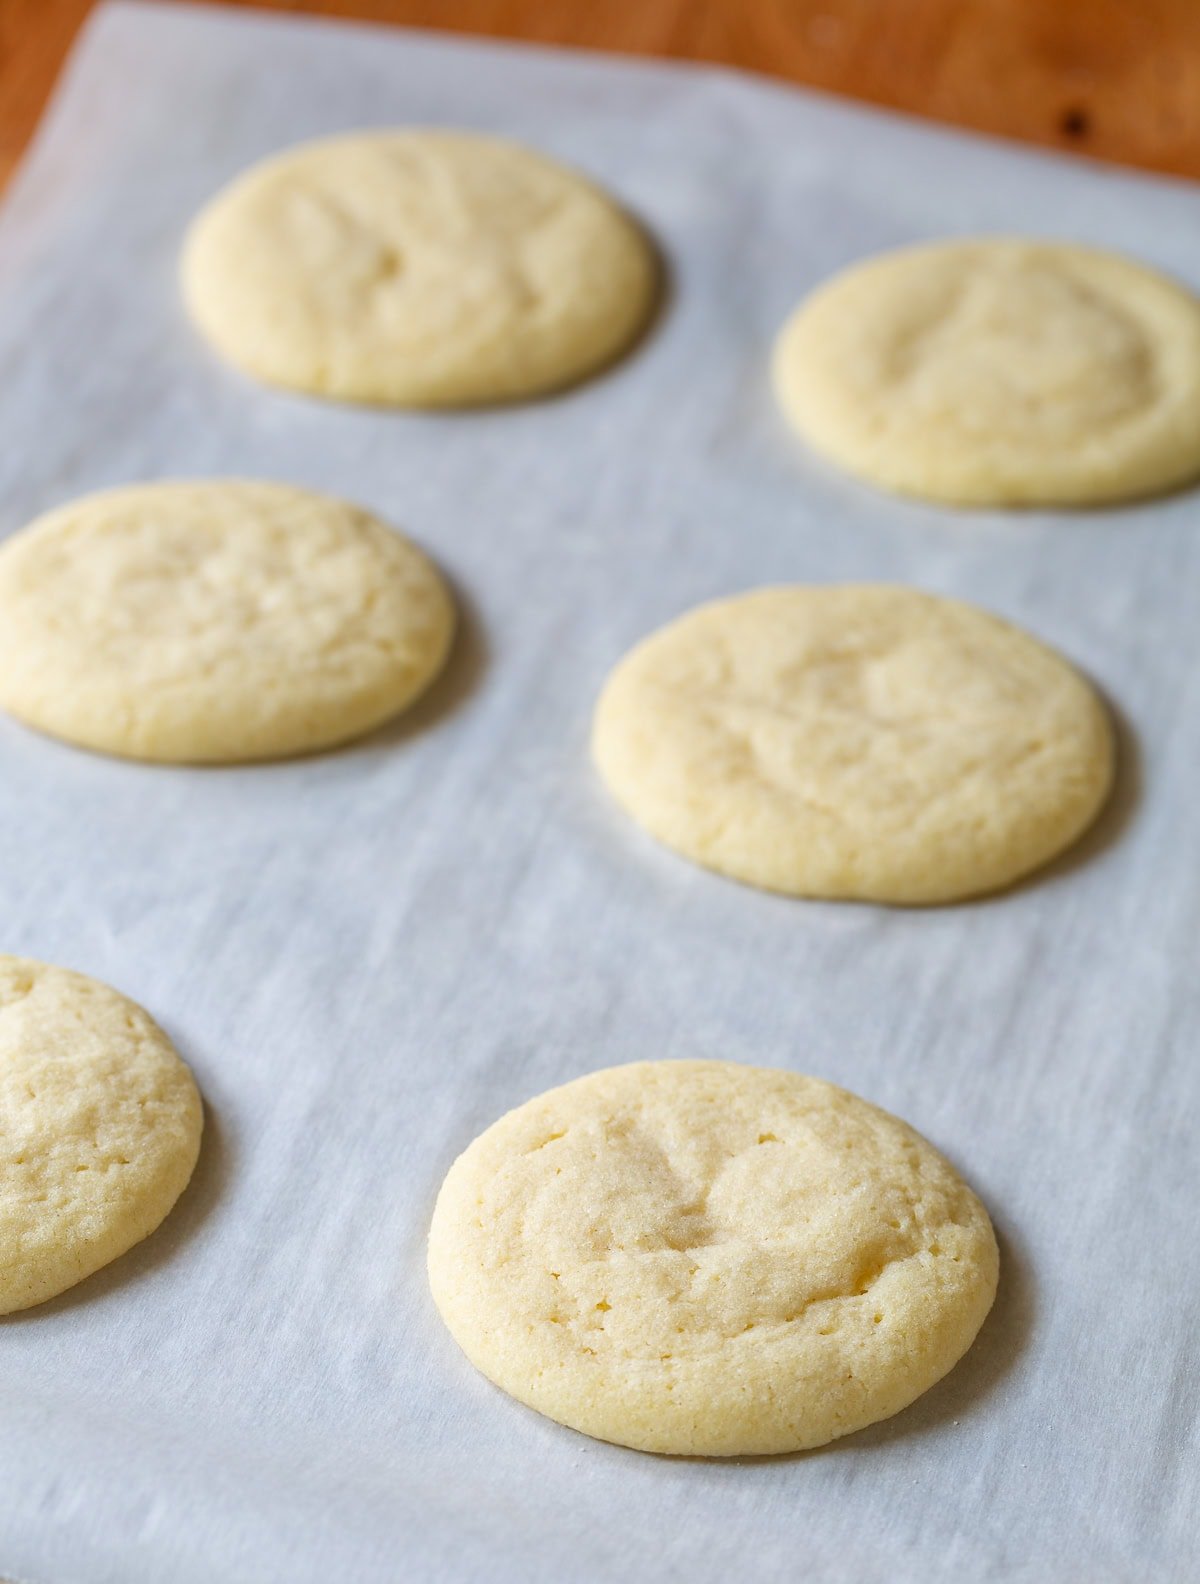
(368, 956)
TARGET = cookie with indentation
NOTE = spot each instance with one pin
(699, 1257)
(417, 268)
(100, 1127)
(999, 372)
(215, 621)
(860, 742)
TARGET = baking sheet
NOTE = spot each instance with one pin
(368, 956)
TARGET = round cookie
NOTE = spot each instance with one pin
(857, 741)
(100, 1128)
(697, 1257)
(999, 372)
(419, 269)
(215, 621)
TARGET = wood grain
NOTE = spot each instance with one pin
(1118, 79)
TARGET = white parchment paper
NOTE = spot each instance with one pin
(368, 956)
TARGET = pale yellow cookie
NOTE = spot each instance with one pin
(417, 268)
(100, 1128)
(999, 372)
(860, 741)
(215, 621)
(697, 1257)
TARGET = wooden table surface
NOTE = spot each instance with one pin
(1118, 79)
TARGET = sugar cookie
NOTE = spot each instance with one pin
(100, 1128)
(999, 372)
(860, 741)
(417, 268)
(215, 621)
(698, 1257)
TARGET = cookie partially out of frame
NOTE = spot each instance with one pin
(999, 372)
(100, 1127)
(699, 1257)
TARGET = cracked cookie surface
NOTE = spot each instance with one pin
(999, 372)
(215, 621)
(417, 268)
(699, 1257)
(100, 1127)
(854, 741)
